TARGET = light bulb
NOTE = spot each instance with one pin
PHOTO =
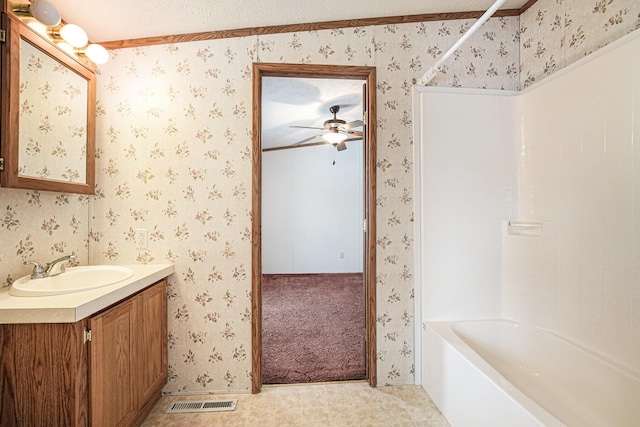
(334, 137)
(45, 12)
(74, 35)
(97, 53)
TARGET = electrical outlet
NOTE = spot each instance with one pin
(141, 238)
(341, 254)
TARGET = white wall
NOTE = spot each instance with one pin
(580, 173)
(564, 153)
(468, 185)
(312, 210)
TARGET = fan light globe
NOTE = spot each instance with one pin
(45, 12)
(97, 53)
(334, 137)
(74, 35)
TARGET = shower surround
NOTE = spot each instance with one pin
(539, 224)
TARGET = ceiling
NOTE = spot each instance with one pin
(109, 20)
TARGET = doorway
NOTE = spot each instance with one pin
(367, 76)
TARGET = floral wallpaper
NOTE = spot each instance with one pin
(556, 33)
(53, 133)
(174, 157)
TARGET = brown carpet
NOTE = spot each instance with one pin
(312, 328)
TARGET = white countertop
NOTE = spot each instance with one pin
(70, 308)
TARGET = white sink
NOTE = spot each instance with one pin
(75, 279)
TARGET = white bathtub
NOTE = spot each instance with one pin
(498, 373)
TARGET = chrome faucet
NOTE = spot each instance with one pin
(52, 268)
(38, 271)
(57, 266)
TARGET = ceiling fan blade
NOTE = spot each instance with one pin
(305, 127)
(286, 147)
(312, 144)
(353, 132)
(353, 124)
(308, 139)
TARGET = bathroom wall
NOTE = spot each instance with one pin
(174, 140)
(573, 291)
(557, 33)
(312, 210)
(579, 174)
(468, 184)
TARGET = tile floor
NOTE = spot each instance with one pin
(316, 405)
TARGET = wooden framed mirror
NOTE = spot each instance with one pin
(48, 115)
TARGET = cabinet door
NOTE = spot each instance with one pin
(152, 341)
(113, 362)
(43, 375)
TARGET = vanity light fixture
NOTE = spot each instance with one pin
(75, 37)
(42, 10)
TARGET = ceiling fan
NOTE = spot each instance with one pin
(336, 132)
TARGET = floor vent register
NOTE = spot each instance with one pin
(183, 406)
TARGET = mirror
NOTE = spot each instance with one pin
(48, 115)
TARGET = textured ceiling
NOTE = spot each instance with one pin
(108, 20)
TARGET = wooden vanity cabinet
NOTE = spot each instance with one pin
(49, 375)
(128, 354)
